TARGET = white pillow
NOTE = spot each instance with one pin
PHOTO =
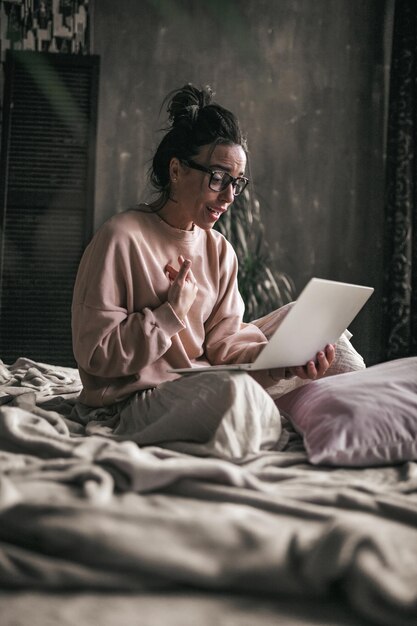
(362, 418)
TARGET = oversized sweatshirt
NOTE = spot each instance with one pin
(126, 336)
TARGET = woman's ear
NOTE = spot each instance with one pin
(174, 168)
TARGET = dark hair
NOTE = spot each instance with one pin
(196, 121)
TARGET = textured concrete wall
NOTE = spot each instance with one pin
(308, 80)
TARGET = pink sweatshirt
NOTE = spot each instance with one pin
(125, 333)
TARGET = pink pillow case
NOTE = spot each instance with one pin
(362, 418)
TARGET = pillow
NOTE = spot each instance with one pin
(362, 418)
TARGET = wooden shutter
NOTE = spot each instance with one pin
(47, 198)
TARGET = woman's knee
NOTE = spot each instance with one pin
(236, 390)
(251, 420)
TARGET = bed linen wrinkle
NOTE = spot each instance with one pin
(90, 512)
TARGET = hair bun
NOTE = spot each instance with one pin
(186, 103)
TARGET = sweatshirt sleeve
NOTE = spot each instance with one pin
(110, 337)
(228, 338)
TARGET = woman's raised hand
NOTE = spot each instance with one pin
(183, 289)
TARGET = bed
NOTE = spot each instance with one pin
(99, 531)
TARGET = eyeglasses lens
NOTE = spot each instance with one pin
(221, 180)
(239, 187)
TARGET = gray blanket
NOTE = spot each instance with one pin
(86, 511)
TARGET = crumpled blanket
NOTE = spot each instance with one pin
(46, 380)
(79, 511)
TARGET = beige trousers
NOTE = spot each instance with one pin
(223, 414)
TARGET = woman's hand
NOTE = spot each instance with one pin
(316, 369)
(311, 370)
(183, 289)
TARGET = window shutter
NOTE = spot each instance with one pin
(47, 198)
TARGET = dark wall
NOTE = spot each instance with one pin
(309, 83)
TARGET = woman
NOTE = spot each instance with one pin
(157, 289)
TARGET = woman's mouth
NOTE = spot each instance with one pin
(214, 212)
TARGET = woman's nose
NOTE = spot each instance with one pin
(228, 194)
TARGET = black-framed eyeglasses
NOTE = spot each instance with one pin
(219, 179)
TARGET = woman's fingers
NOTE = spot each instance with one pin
(183, 289)
(184, 273)
(184, 269)
(189, 276)
(171, 271)
(324, 360)
(316, 369)
(330, 353)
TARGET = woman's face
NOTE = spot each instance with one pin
(195, 202)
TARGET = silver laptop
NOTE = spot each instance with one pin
(322, 312)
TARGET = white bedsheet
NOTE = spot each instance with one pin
(88, 512)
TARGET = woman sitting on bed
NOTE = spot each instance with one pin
(157, 289)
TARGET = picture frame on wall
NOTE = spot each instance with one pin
(45, 26)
